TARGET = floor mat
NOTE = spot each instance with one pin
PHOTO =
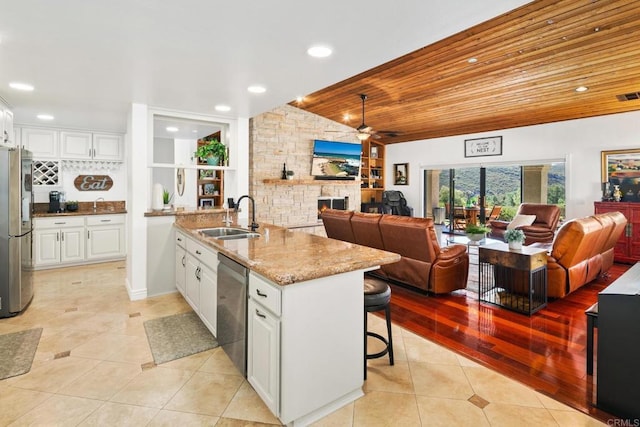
(17, 350)
(177, 336)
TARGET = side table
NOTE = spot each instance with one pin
(513, 279)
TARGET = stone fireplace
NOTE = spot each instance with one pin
(340, 203)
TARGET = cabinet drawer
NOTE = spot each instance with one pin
(264, 293)
(59, 222)
(204, 254)
(181, 240)
(105, 219)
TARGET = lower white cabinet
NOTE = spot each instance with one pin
(105, 236)
(59, 241)
(263, 354)
(181, 262)
(71, 240)
(200, 279)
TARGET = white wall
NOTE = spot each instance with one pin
(579, 142)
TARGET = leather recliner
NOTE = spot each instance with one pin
(541, 231)
(424, 264)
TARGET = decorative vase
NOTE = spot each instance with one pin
(516, 246)
(213, 161)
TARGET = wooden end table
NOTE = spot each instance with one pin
(513, 279)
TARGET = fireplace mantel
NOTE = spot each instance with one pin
(310, 181)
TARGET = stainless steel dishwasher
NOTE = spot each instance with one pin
(233, 280)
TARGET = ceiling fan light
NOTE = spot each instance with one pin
(362, 136)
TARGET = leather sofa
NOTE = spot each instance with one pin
(581, 251)
(424, 264)
(541, 231)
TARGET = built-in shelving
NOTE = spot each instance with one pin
(372, 171)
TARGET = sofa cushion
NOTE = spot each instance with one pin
(521, 220)
(337, 224)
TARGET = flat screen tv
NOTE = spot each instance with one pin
(335, 160)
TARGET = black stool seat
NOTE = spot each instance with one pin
(377, 295)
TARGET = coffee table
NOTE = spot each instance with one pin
(513, 279)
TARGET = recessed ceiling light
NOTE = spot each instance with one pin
(582, 89)
(194, 131)
(222, 108)
(256, 89)
(346, 117)
(299, 99)
(21, 86)
(172, 129)
(319, 51)
(472, 60)
(45, 116)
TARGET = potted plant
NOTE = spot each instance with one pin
(515, 238)
(476, 232)
(166, 198)
(213, 151)
(289, 174)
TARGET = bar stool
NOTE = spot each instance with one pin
(377, 295)
(592, 322)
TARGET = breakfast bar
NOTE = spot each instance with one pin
(305, 308)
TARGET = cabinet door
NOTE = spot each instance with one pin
(263, 354)
(208, 298)
(42, 142)
(105, 241)
(47, 247)
(7, 135)
(192, 291)
(72, 244)
(107, 146)
(75, 145)
(181, 268)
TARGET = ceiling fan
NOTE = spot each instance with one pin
(364, 131)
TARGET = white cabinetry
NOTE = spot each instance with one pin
(42, 142)
(58, 241)
(105, 236)
(263, 331)
(71, 240)
(181, 261)
(288, 366)
(201, 282)
(6, 126)
(90, 146)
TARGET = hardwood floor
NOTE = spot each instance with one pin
(546, 351)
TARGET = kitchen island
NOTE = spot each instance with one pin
(305, 317)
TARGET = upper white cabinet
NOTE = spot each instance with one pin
(90, 146)
(6, 126)
(72, 145)
(42, 142)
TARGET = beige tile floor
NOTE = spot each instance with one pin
(92, 369)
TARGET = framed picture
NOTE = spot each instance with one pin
(481, 147)
(401, 174)
(209, 189)
(622, 168)
(206, 203)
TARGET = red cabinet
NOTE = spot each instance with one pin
(628, 247)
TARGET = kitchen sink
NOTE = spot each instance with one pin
(228, 233)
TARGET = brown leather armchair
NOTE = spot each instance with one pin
(541, 231)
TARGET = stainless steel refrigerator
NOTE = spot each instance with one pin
(16, 242)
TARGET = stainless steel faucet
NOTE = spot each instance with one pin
(254, 226)
(96, 201)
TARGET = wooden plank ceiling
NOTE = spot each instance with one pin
(529, 63)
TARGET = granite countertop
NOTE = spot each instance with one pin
(84, 208)
(286, 257)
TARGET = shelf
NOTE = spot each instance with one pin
(309, 181)
(190, 166)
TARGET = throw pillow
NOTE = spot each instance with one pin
(521, 220)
